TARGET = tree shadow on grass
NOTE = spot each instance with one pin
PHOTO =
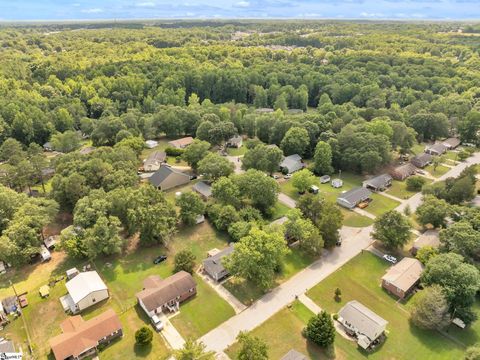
(142, 350)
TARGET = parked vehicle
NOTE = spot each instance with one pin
(288, 176)
(275, 176)
(324, 179)
(157, 323)
(390, 258)
(160, 259)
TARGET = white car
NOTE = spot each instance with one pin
(288, 176)
(275, 176)
(157, 323)
(390, 258)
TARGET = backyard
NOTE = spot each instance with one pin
(404, 341)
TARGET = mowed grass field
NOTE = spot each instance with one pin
(360, 280)
(399, 189)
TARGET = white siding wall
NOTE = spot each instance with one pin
(92, 299)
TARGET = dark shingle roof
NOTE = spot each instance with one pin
(213, 265)
(203, 189)
(162, 174)
(355, 195)
(421, 160)
(378, 182)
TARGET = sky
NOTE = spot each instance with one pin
(226, 9)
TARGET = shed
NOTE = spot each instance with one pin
(422, 160)
(3, 267)
(292, 163)
(402, 277)
(403, 171)
(166, 178)
(151, 144)
(84, 290)
(71, 273)
(428, 238)
(378, 183)
(352, 198)
(324, 179)
(337, 183)
(44, 291)
(203, 189)
(213, 265)
(436, 149)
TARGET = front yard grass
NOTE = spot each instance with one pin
(439, 171)
(279, 210)
(404, 341)
(381, 204)
(399, 189)
(236, 151)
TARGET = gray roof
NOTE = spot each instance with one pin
(363, 319)
(162, 174)
(428, 238)
(293, 355)
(421, 160)
(451, 142)
(237, 139)
(6, 346)
(203, 189)
(378, 182)
(438, 148)
(355, 195)
(155, 157)
(292, 163)
(213, 265)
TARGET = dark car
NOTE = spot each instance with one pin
(160, 259)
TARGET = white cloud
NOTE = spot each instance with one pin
(371, 15)
(242, 4)
(92, 11)
(146, 4)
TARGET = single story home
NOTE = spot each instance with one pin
(235, 142)
(84, 290)
(154, 161)
(350, 199)
(436, 149)
(403, 171)
(291, 163)
(51, 241)
(422, 160)
(428, 238)
(166, 178)
(361, 322)
(451, 143)
(86, 150)
(159, 295)
(181, 143)
(6, 346)
(151, 144)
(203, 189)
(402, 277)
(213, 265)
(294, 355)
(378, 183)
(81, 338)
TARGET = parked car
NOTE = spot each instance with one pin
(324, 179)
(390, 258)
(157, 323)
(288, 176)
(160, 259)
(275, 176)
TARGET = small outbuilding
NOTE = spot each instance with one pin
(71, 273)
(48, 146)
(3, 267)
(203, 189)
(167, 178)
(45, 253)
(428, 238)
(44, 291)
(352, 198)
(337, 183)
(213, 265)
(402, 277)
(422, 160)
(84, 290)
(86, 150)
(378, 183)
(291, 163)
(151, 144)
(324, 179)
(436, 149)
(51, 241)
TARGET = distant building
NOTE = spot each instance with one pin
(203, 189)
(403, 171)
(451, 143)
(422, 160)
(378, 183)
(294, 355)
(213, 265)
(436, 149)
(84, 290)
(151, 144)
(235, 142)
(264, 110)
(337, 183)
(352, 198)
(154, 161)
(361, 322)
(402, 277)
(292, 163)
(80, 338)
(181, 143)
(166, 178)
(428, 238)
(159, 295)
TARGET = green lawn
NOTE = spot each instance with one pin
(439, 171)
(418, 148)
(381, 204)
(236, 152)
(352, 219)
(279, 210)
(399, 189)
(451, 155)
(404, 341)
(162, 145)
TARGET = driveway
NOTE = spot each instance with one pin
(237, 162)
(287, 200)
(354, 240)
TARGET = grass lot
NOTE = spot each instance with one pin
(236, 152)
(162, 145)
(381, 204)
(439, 171)
(202, 313)
(247, 292)
(352, 219)
(404, 341)
(283, 332)
(399, 189)
(279, 210)
(418, 148)
(451, 155)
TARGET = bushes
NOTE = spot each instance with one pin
(171, 151)
(320, 330)
(184, 261)
(415, 183)
(143, 336)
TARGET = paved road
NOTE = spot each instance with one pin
(354, 240)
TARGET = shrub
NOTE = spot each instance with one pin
(171, 151)
(184, 260)
(415, 183)
(143, 336)
(320, 330)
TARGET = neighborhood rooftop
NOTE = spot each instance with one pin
(422, 160)
(181, 143)
(292, 163)
(405, 274)
(203, 189)
(352, 197)
(378, 182)
(451, 143)
(293, 355)
(167, 177)
(363, 319)
(213, 264)
(83, 284)
(428, 238)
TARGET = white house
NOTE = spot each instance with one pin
(84, 290)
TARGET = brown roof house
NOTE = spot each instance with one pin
(436, 149)
(181, 143)
(422, 160)
(451, 143)
(166, 294)
(428, 238)
(166, 178)
(154, 161)
(402, 277)
(403, 171)
(81, 338)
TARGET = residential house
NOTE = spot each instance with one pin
(203, 189)
(378, 183)
(166, 294)
(403, 171)
(84, 290)
(154, 161)
(213, 265)
(350, 199)
(436, 149)
(422, 160)
(451, 143)
(151, 144)
(402, 277)
(294, 355)
(235, 142)
(6, 346)
(428, 238)
(80, 338)
(291, 163)
(181, 143)
(166, 178)
(361, 322)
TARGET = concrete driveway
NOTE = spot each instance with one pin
(287, 200)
